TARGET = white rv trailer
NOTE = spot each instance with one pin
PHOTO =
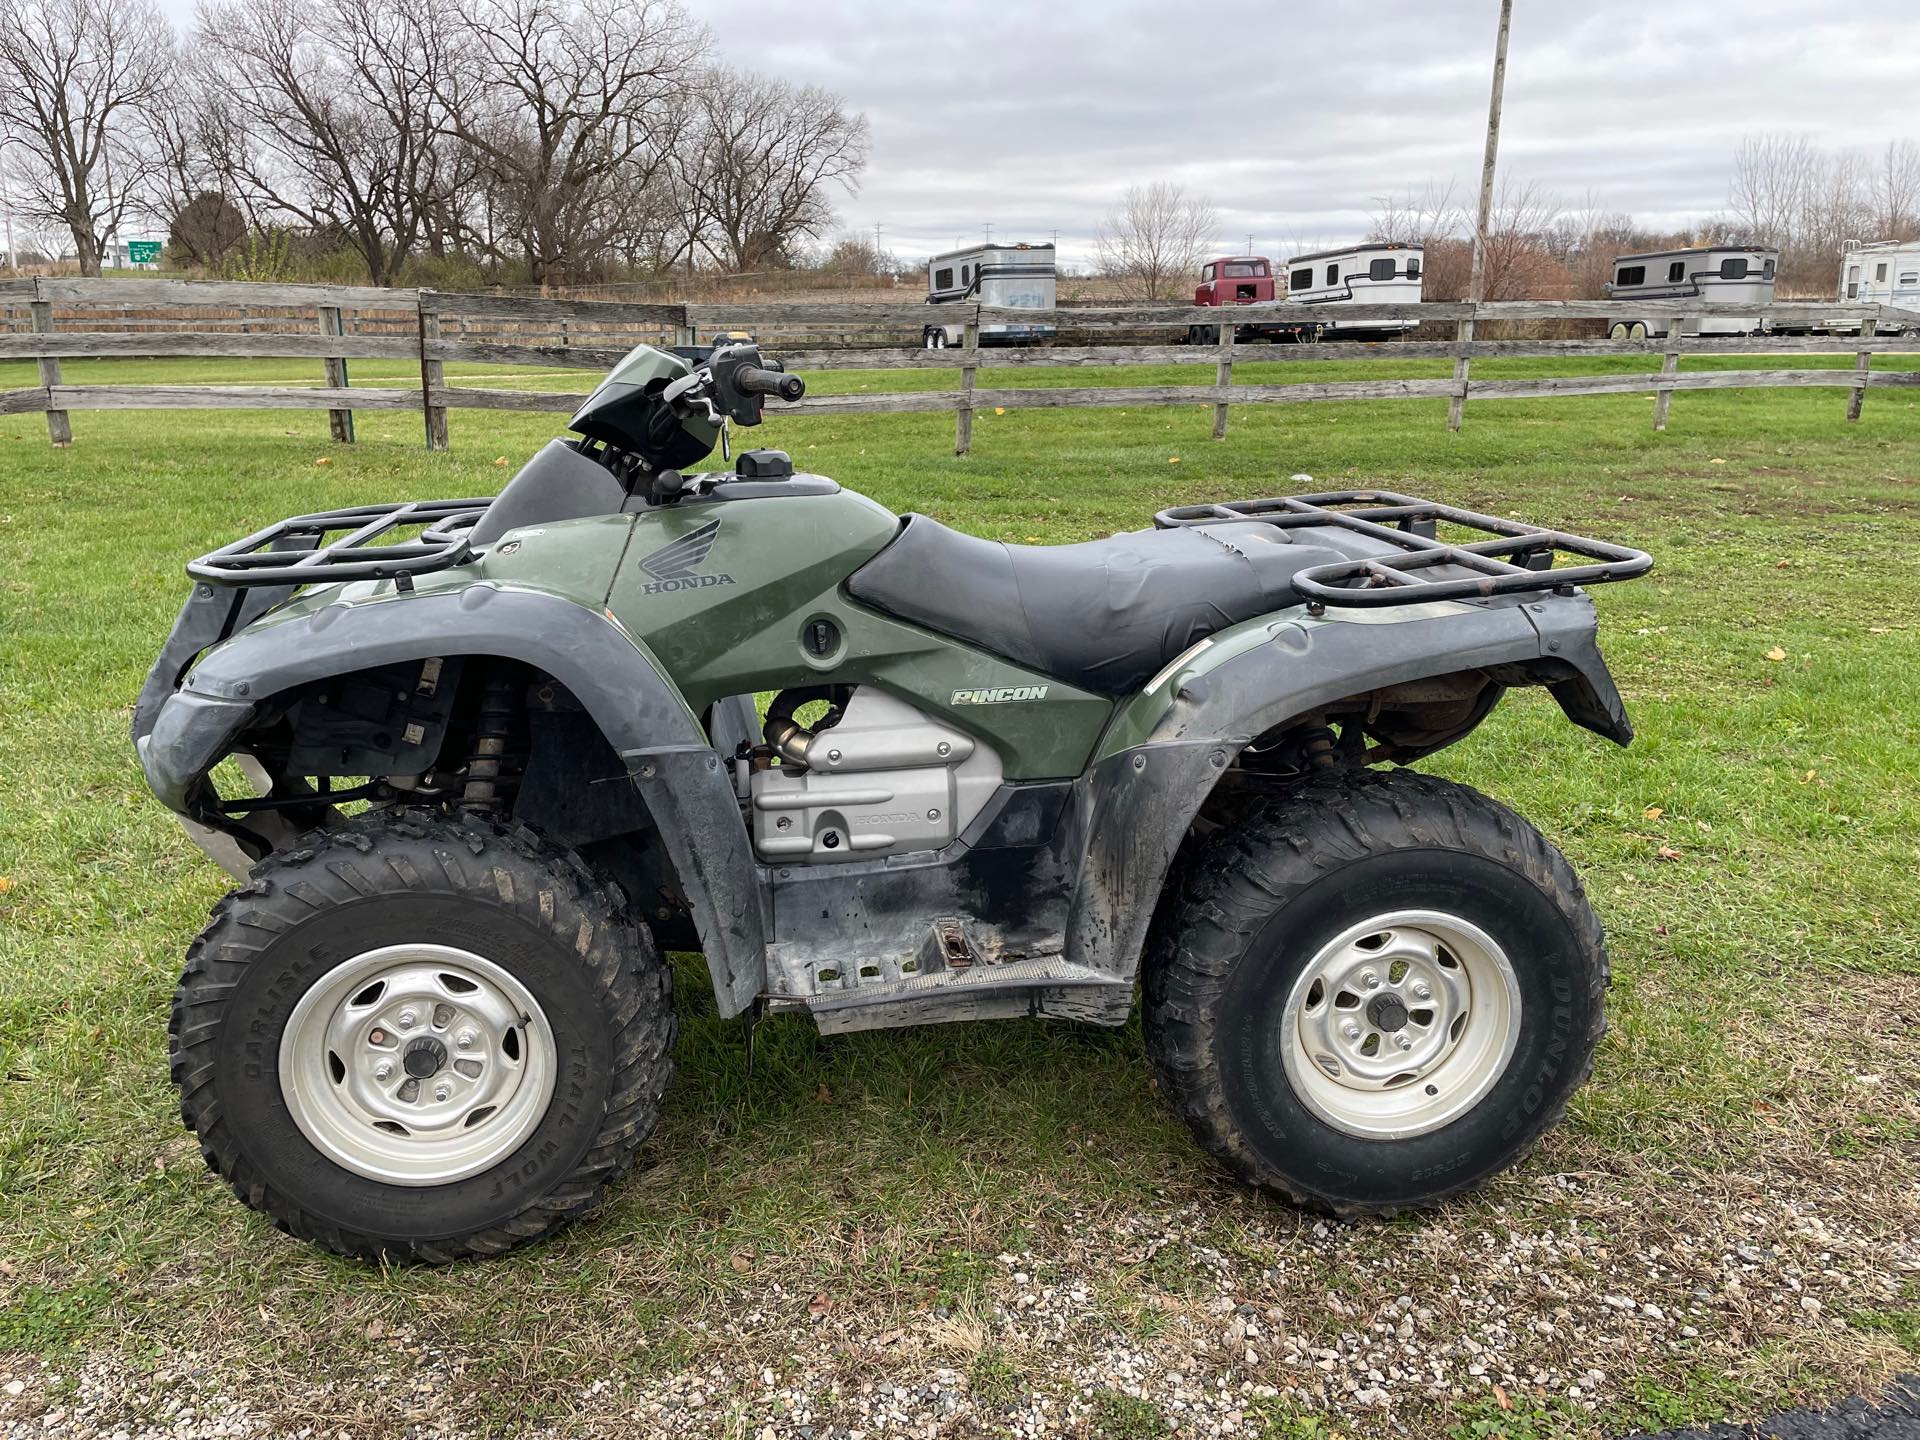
(1717, 274)
(1370, 274)
(1886, 272)
(1017, 277)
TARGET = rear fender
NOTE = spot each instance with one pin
(1167, 748)
(687, 791)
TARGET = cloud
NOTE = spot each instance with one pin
(1292, 119)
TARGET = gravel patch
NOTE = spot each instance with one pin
(1213, 1318)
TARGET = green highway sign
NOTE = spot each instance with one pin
(143, 252)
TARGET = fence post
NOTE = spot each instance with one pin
(59, 429)
(969, 360)
(339, 422)
(1669, 364)
(1457, 402)
(1222, 378)
(1862, 362)
(433, 376)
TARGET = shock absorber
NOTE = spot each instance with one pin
(492, 732)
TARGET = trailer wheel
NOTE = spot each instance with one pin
(1618, 332)
(936, 337)
(1638, 332)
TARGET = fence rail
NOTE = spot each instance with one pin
(335, 325)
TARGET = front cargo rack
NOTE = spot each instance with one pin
(1518, 559)
(296, 551)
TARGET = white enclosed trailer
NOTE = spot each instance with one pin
(1370, 274)
(1886, 272)
(1018, 277)
(1717, 274)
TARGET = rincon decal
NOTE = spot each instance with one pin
(1000, 696)
(674, 564)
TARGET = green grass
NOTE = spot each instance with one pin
(1755, 967)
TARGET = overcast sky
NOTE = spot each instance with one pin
(1291, 118)
(1033, 115)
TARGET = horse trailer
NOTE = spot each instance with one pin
(1369, 274)
(1717, 274)
(1018, 277)
(1885, 272)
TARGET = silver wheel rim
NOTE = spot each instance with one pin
(1401, 1024)
(417, 1064)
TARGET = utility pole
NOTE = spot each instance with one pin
(1476, 281)
(989, 232)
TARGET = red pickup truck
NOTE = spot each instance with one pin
(1241, 280)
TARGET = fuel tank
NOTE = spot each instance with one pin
(741, 589)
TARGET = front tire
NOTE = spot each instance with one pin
(421, 1038)
(1374, 994)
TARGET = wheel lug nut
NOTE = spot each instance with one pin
(377, 1037)
(1350, 1030)
(441, 1092)
(383, 1071)
(1422, 990)
(408, 1019)
(1370, 980)
(1405, 1042)
(465, 1039)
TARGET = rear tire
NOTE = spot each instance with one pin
(1362, 1086)
(1618, 332)
(421, 1038)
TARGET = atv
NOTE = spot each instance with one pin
(476, 764)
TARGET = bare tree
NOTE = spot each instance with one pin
(571, 114)
(1416, 218)
(1895, 191)
(1774, 178)
(330, 115)
(1156, 238)
(763, 163)
(75, 76)
(1518, 258)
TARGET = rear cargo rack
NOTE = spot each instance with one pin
(1518, 559)
(296, 551)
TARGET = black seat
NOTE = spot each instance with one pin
(1104, 615)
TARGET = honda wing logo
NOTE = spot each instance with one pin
(673, 564)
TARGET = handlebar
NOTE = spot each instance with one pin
(754, 380)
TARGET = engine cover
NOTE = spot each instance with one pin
(887, 780)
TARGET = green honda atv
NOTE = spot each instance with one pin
(475, 764)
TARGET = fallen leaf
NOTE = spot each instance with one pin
(376, 1331)
(324, 460)
(1500, 1397)
(5, 884)
(823, 1094)
(1716, 461)
(1653, 812)
(741, 1261)
(1784, 565)
(1667, 852)
(1776, 654)
(1173, 459)
(1807, 779)
(999, 409)
(820, 1304)
(502, 460)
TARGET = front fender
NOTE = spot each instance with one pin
(687, 791)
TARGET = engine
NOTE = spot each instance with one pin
(873, 778)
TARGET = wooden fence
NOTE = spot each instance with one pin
(335, 325)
